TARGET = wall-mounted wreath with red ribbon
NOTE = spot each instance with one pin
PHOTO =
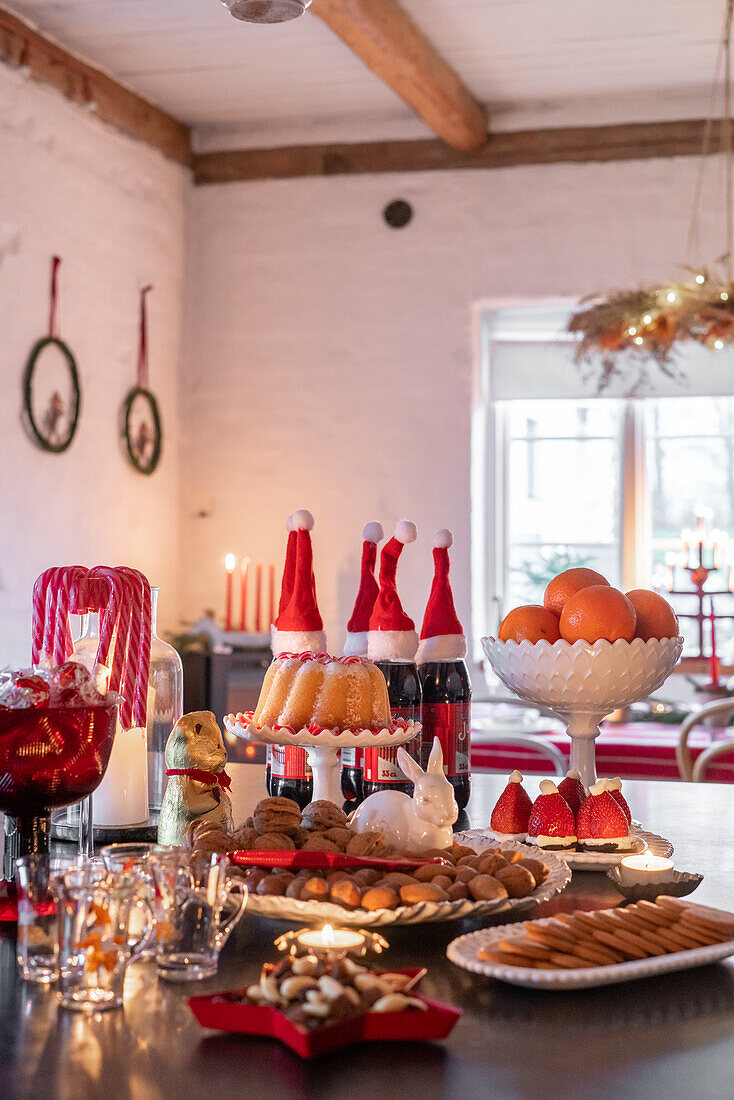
(51, 392)
(141, 427)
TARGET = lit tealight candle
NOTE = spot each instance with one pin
(646, 868)
(331, 939)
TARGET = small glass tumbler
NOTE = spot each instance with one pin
(97, 920)
(37, 941)
(201, 911)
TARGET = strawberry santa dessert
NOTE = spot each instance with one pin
(601, 823)
(614, 786)
(509, 820)
(572, 789)
(551, 824)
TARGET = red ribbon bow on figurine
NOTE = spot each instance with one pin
(220, 779)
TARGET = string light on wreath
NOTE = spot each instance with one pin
(631, 328)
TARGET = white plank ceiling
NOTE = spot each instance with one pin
(534, 62)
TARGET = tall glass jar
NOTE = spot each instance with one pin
(122, 799)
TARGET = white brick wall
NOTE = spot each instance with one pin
(114, 210)
(328, 358)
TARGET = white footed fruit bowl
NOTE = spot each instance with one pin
(582, 683)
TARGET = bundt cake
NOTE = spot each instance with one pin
(309, 689)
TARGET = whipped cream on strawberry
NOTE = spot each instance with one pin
(551, 824)
(601, 822)
(509, 820)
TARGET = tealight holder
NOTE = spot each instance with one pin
(334, 942)
(677, 884)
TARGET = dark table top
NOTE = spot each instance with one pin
(671, 1036)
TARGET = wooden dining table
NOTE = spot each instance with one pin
(670, 1036)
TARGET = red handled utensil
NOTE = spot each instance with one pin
(324, 861)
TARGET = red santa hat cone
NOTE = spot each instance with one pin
(289, 571)
(442, 635)
(299, 627)
(355, 644)
(392, 635)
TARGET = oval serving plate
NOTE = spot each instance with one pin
(580, 861)
(424, 912)
(464, 950)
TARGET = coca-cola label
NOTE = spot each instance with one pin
(352, 758)
(450, 722)
(289, 762)
(381, 766)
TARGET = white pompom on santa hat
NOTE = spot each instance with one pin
(355, 644)
(298, 627)
(392, 635)
(442, 635)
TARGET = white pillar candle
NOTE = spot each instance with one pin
(122, 796)
(643, 869)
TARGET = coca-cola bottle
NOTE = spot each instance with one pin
(268, 767)
(352, 762)
(446, 714)
(290, 775)
(381, 771)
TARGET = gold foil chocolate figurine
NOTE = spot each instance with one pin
(197, 782)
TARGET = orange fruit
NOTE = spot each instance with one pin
(567, 584)
(655, 616)
(529, 623)
(596, 612)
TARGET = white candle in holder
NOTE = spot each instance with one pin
(644, 869)
(331, 939)
(122, 796)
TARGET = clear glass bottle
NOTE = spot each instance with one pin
(165, 696)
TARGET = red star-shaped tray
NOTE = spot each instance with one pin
(9, 903)
(222, 1012)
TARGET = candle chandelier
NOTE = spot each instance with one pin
(631, 328)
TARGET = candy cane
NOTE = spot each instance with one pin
(62, 643)
(137, 666)
(40, 593)
(52, 597)
(115, 593)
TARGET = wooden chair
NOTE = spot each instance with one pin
(694, 773)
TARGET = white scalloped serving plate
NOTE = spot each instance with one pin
(464, 952)
(582, 861)
(336, 738)
(425, 912)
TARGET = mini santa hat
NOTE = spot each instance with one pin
(442, 635)
(392, 635)
(355, 644)
(299, 627)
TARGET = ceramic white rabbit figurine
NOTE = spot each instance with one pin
(418, 823)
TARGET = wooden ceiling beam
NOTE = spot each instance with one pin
(389, 43)
(21, 45)
(580, 145)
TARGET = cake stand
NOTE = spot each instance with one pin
(322, 746)
(581, 682)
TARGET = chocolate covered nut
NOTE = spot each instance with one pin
(442, 882)
(366, 876)
(442, 853)
(486, 888)
(336, 876)
(324, 815)
(380, 897)
(430, 871)
(468, 861)
(345, 893)
(273, 842)
(339, 836)
(294, 888)
(396, 879)
(275, 884)
(421, 891)
(457, 891)
(315, 889)
(465, 874)
(517, 880)
(537, 869)
(460, 850)
(489, 862)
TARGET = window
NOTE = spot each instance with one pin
(609, 482)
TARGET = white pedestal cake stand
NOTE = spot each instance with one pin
(581, 683)
(322, 748)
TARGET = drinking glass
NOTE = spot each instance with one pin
(201, 906)
(37, 939)
(97, 938)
